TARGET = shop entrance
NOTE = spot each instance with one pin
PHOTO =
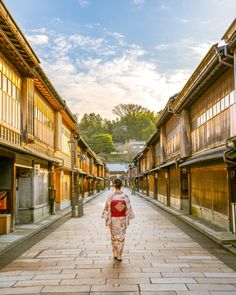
(6, 176)
(6, 195)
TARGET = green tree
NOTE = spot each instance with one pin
(148, 131)
(91, 124)
(101, 143)
(135, 122)
(124, 110)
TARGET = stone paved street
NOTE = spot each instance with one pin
(160, 257)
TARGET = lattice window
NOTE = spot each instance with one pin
(43, 120)
(10, 85)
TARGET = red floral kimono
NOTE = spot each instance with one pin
(117, 213)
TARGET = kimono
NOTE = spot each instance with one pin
(117, 213)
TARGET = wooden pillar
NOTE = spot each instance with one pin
(81, 183)
(155, 185)
(168, 186)
(27, 110)
(233, 107)
(58, 131)
(162, 144)
(185, 134)
(153, 164)
(13, 198)
(234, 71)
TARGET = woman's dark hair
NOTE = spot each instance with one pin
(118, 183)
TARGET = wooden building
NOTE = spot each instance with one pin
(193, 156)
(92, 170)
(35, 128)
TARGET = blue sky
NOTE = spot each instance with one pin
(99, 53)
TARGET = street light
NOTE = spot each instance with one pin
(71, 144)
(75, 199)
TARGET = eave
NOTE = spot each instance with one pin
(230, 35)
(167, 112)
(45, 87)
(46, 93)
(211, 155)
(84, 144)
(211, 67)
(18, 51)
(15, 46)
(153, 139)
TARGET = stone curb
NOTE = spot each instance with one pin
(225, 239)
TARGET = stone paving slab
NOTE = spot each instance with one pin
(24, 231)
(159, 258)
(22, 290)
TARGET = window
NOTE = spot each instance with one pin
(14, 91)
(210, 113)
(214, 110)
(226, 101)
(10, 85)
(4, 82)
(218, 108)
(231, 98)
(203, 118)
(65, 138)
(43, 113)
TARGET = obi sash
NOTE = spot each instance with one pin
(118, 208)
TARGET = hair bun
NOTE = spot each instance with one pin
(118, 182)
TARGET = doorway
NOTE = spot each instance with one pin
(185, 205)
(24, 197)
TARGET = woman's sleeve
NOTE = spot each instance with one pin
(107, 212)
(129, 211)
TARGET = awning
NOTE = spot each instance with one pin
(210, 155)
(155, 169)
(99, 178)
(167, 164)
(81, 172)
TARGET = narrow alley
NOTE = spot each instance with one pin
(162, 256)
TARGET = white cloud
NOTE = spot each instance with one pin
(84, 3)
(200, 49)
(96, 74)
(86, 41)
(191, 47)
(38, 39)
(182, 20)
(165, 7)
(56, 20)
(161, 46)
(39, 30)
(137, 2)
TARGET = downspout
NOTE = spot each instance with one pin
(226, 54)
(230, 150)
(177, 160)
(229, 161)
(230, 139)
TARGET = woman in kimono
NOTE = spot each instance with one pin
(117, 213)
